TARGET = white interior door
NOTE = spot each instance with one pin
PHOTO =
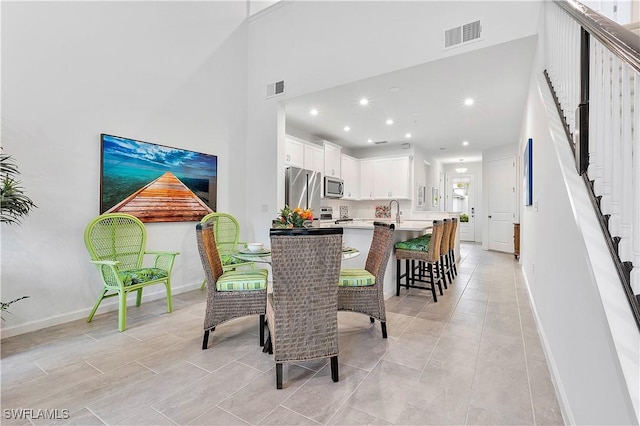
(502, 203)
(461, 191)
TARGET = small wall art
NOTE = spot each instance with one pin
(527, 173)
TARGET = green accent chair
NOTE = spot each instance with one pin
(230, 294)
(362, 290)
(117, 245)
(226, 230)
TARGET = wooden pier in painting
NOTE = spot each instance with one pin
(166, 199)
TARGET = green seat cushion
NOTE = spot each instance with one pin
(143, 275)
(416, 244)
(253, 279)
(356, 278)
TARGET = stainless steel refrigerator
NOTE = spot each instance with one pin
(302, 189)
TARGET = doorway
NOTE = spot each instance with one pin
(502, 203)
(461, 189)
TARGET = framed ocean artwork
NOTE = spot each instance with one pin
(156, 183)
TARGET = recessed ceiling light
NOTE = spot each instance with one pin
(389, 121)
(468, 101)
(313, 112)
(347, 128)
(364, 101)
(408, 136)
(370, 140)
(394, 89)
(465, 143)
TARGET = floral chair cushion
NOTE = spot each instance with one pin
(252, 279)
(143, 275)
(416, 244)
(356, 278)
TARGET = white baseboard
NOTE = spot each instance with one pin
(563, 401)
(106, 306)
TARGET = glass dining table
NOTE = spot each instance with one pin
(264, 255)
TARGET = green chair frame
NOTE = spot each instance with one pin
(226, 231)
(117, 245)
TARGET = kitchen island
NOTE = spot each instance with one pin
(359, 233)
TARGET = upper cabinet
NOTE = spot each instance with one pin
(389, 177)
(293, 153)
(367, 171)
(314, 158)
(350, 170)
(331, 160)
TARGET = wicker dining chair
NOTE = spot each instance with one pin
(302, 311)
(362, 290)
(230, 294)
(426, 251)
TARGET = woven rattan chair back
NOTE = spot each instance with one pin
(446, 234)
(452, 234)
(302, 311)
(435, 244)
(226, 231)
(208, 249)
(380, 249)
(118, 237)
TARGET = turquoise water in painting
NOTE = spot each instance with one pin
(129, 165)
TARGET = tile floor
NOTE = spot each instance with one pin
(472, 358)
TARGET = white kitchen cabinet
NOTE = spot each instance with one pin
(391, 178)
(331, 160)
(293, 153)
(314, 158)
(350, 170)
(367, 172)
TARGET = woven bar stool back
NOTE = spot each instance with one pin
(302, 311)
(452, 246)
(444, 252)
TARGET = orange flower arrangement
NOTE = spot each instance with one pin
(293, 218)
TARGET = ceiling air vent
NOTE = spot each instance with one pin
(380, 142)
(275, 89)
(462, 34)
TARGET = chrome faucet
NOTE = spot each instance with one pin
(397, 209)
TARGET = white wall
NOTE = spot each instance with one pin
(589, 334)
(171, 73)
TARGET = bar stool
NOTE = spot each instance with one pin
(426, 250)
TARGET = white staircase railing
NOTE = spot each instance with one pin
(594, 72)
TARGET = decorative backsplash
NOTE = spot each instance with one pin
(383, 212)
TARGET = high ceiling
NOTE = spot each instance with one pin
(427, 101)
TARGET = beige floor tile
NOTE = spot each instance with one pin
(284, 416)
(320, 398)
(384, 393)
(185, 407)
(217, 416)
(146, 416)
(352, 416)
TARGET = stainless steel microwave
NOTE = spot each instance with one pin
(333, 187)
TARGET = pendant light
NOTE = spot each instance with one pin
(460, 168)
